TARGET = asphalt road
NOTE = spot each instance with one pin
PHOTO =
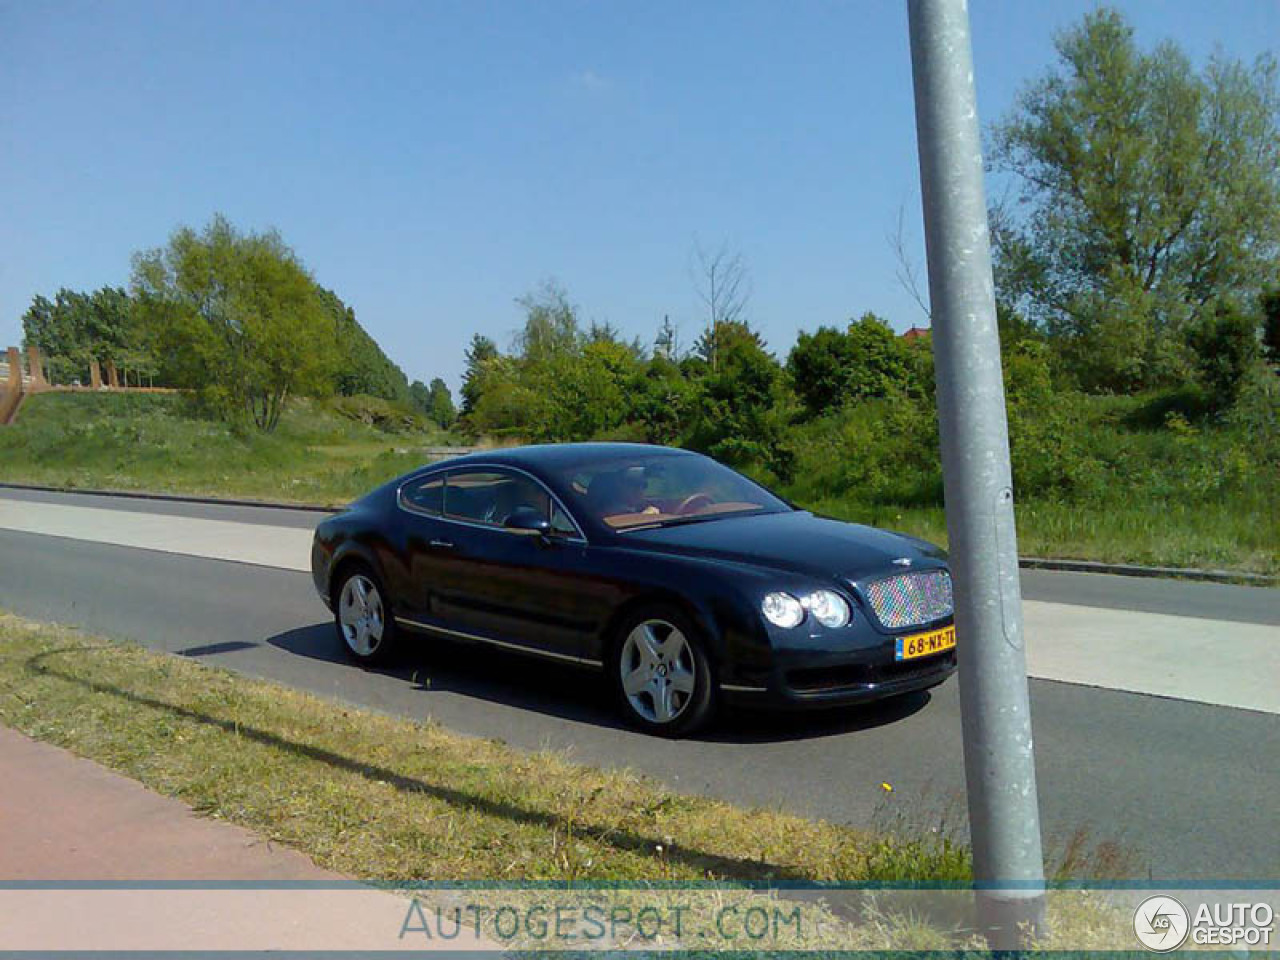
(1189, 790)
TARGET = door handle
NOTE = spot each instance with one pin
(442, 544)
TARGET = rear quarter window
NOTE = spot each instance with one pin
(426, 495)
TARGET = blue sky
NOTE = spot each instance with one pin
(433, 161)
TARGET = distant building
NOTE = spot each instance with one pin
(916, 333)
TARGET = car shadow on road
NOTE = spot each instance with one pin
(743, 725)
(570, 693)
(474, 671)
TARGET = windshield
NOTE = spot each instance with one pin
(647, 490)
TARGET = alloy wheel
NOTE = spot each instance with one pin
(658, 671)
(360, 615)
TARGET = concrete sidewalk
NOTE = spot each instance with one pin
(66, 819)
(91, 862)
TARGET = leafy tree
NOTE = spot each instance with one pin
(480, 356)
(419, 396)
(501, 402)
(574, 383)
(75, 328)
(551, 327)
(238, 319)
(1271, 325)
(829, 368)
(439, 404)
(738, 419)
(1225, 345)
(818, 365)
(364, 367)
(1151, 191)
(662, 401)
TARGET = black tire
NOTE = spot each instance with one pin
(663, 706)
(376, 644)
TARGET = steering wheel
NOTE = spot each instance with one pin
(694, 502)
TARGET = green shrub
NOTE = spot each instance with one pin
(384, 415)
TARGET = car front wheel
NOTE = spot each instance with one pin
(661, 673)
(363, 617)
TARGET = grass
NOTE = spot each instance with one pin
(1216, 536)
(1113, 488)
(383, 798)
(321, 452)
(388, 800)
(1120, 479)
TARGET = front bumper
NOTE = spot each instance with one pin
(856, 668)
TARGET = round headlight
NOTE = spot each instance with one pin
(828, 608)
(782, 610)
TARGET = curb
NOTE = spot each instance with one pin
(173, 498)
(1136, 570)
(1026, 563)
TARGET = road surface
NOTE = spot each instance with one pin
(1156, 706)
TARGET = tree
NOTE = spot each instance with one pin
(723, 286)
(439, 405)
(667, 343)
(662, 401)
(365, 368)
(738, 416)
(1225, 345)
(818, 365)
(75, 328)
(480, 356)
(829, 368)
(551, 324)
(238, 319)
(420, 396)
(1150, 192)
(574, 383)
(1270, 303)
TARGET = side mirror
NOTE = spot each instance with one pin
(528, 520)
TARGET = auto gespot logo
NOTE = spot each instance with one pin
(1162, 924)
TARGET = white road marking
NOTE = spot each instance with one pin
(1208, 661)
(287, 548)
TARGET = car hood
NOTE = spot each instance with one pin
(795, 541)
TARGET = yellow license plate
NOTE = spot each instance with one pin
(924, 644)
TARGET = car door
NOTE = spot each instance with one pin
(481, 579)
(423, 543)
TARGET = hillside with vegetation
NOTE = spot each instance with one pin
(232, 317)
(323, 451)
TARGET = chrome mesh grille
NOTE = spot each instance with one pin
(911, 599)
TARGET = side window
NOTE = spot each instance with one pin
(475, 495)
(425, 494)
(561, 523)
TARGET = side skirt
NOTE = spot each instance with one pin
(518, 647)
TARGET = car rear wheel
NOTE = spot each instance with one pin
(363, 618)
(661, 673)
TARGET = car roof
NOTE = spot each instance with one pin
(560, 456)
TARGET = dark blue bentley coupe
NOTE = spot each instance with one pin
(682, 581)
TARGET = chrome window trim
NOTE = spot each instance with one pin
(536, 651)
(478, 467)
